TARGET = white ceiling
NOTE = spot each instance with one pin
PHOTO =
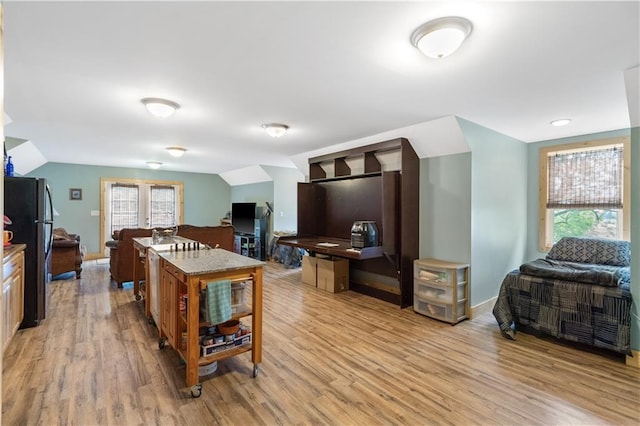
(333, 71)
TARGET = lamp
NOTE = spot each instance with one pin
(176, 151)
(441, 37)
(162, 108)
(154, 164)
(275, 130)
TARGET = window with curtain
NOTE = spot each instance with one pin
(583, 191)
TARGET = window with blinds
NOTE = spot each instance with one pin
(163, 206)
(130, 203)
(125, 206)
(587, 179)
(584, 191)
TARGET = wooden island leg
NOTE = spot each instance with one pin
(256, 319)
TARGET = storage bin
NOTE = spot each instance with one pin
(438, 292)
(439, 311)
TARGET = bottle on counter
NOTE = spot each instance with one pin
(9, 167)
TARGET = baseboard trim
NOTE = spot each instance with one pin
(483, 308)
(93, 256)
(633, 361)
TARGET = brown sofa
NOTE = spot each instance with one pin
(121, 247)
(66, 253)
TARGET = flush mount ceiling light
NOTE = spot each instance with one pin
(154, 164)
(162, 108)
(561, 122)
(275, 130)
(176, 151)
(441, 37)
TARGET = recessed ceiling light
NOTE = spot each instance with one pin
(275, 130)
(561, 122)
(154, 164)
(441, 37)
(162, 108)
(176, 151)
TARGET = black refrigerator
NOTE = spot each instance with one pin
(27, 203)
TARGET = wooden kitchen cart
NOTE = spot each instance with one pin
(188, 272)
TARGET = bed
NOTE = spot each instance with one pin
(580, 292)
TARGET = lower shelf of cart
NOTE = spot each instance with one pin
(226, 353)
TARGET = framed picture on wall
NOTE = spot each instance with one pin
(75, 194)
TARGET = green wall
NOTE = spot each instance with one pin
(445, 208)
(473, 207)
(498, 207)
(285, 197)
(207, 198)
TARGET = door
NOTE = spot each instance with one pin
(140, 204)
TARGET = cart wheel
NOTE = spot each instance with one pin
(255, 370)
(138, 297)
(196, 390)
(161, 343)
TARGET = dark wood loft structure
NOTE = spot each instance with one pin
(360, 184)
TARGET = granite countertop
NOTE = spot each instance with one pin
(204, 261)
(163, 243)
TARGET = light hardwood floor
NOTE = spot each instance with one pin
(327, 359)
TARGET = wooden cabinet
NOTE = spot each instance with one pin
(441, 289)
(13, 292)
(380, 183)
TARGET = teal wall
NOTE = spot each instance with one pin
(635, 238)
(207, 197)
(258, 193)
(285, 197)
(473, 207)
(445, 208)
(533, 165)
(498, 208)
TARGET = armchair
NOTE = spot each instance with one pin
(121, 247)
(66, 253)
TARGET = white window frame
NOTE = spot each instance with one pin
(145, 203)
(545, 228)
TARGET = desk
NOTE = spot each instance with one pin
(189, 272)
(140, 259)
(333, 247)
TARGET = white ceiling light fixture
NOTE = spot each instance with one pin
(441, 37)
(561, 122)
(176, 151)
(162, 108)
(154, 164)
(275, 130)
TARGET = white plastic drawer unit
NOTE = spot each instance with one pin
(441, 289)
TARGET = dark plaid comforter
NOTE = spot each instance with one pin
(596, 315)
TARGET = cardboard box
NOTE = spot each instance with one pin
(333, 275)
(309, 270)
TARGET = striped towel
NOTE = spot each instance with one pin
(218, 301)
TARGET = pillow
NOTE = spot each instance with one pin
(592, 250)
(60, 234)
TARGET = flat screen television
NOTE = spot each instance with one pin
(243, 217)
